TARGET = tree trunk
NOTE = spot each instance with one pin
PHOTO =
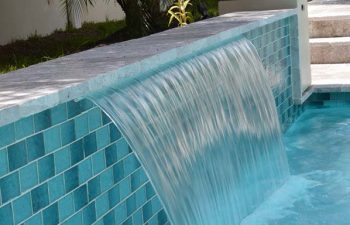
(142, 17)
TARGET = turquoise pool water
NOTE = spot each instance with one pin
(318, 192)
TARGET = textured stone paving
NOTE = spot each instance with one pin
(330, 50)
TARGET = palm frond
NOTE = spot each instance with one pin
(187, 2)
(173, 16)
(178, 12)
(75, 7)
(173, 7)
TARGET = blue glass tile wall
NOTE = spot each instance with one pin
(324, 100)
(277, 46)
(70, 165)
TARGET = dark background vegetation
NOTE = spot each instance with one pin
(36, 49)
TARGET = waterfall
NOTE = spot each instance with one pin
(207, 133)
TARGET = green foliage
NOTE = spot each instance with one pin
(142, 17)
(212, 7)
(36, 49)
(179, 12)
(8, 68)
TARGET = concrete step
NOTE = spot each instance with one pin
(329, 27)
(330, 50)
(329, 20)
(330, 74)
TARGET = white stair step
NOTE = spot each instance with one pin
(330, 50)
(329, 20)
(330, 74)
(322, 10)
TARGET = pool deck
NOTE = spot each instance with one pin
(332, 77)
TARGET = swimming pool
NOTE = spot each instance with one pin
(318, 191)
(63, 161)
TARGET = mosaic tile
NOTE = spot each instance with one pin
(28, 176)
(10, 186)
(89, 214)
(58, 114)
(40, 197)
(4, 167)
(35, 146)
(17, 155)
(50, 215)
(24, 127)
(52, 139)
(46, 168)
(22, 208)
(65, 207)
(6, 215)
(56, 188)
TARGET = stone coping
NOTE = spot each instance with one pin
(329, 10)
(36, 88)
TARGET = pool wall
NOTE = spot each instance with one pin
(277, 45)
(327, 99)
(68, 164)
